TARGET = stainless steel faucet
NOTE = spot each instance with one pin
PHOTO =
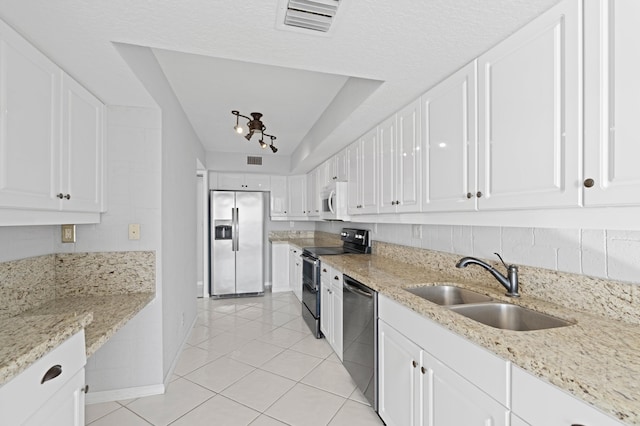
(510, 282)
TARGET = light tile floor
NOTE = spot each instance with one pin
(249, 361)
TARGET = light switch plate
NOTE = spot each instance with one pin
(134, 231)
(68, 233)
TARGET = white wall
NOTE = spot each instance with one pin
(234, 162)
(180, 151)
(599, 253)
(133, 171)
(20, 242)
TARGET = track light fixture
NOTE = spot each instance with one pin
(254, 125)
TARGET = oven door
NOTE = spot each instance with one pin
(311, 284)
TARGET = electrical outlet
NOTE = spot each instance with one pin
(416, 231)
(68, 233)
(134, 231)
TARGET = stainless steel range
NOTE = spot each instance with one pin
(354, 241)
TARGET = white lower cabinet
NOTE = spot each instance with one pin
(295, 271)
(418, 389)
(280, 268)
(51, 391)
(331, 307)
(530, 394)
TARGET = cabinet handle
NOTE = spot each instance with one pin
(397, 202)
(423, 370)
(588, 183)
(478, 194)
(85, 389)
(324, 269)
(51, 373)
(336, 278)
(60, 195)
(285, 211)
(415, 364)
(68, 196)
(469, 195)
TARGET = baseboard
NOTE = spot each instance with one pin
(122, 394)
(169, 375)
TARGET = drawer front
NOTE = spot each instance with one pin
(24, 394)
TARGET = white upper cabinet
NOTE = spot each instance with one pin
(399, 165)
(82, 147)
(353, 182)
(279, 197)
(51, 134)
(388, 163)
(29, 125)
(312, 195)
(297, 189)
(409, 161)
(450, 143)
(530, 114)
(244, 182)
(612, 102)
(368, 172)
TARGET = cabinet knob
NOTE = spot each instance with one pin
(423, 370)
(51, 373)
(285, 211)
(60, 195)
(324, 269)
(588, 183)
(68, 196)
(469, 195)
(415, 364)
(397, 202)
(336, 278)
(478, 194)
(85, 389)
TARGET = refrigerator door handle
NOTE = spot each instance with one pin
(237, 230)
(233, 228)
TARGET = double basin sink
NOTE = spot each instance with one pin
(486, 310)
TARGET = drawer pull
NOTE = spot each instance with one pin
(415, 364)
(423, 370)
(337, 278)
(52, 373)
(85, 389)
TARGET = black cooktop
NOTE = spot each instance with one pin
(324, 251)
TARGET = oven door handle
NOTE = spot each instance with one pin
(356, 290)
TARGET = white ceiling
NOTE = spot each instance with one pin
(214, 52)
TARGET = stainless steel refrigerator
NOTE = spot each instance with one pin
(237, 221)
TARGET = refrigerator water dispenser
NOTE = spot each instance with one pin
(223, 232)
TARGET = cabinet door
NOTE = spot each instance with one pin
(325, 301)
(388, 164)
(337, 313)
(408, 159)
(65, 408)
(455, 401)
(369, 175)
(297, 200)
(341, 166)
(295, 272)
(82, 148)
(230, 181)
(353, 157)
(612, 102)
(279, 267)
(398, 360)
(312, 195)
(530, 114)
(29, 125)
(257, 182)
(450, 142)
(278, 198)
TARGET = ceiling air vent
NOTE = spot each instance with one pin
(316, 15)
(254, 161)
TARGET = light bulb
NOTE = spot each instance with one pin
(238, 129)
(263, 145)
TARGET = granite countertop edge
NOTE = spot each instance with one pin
(27, 337)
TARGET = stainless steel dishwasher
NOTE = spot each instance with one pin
(360, 337)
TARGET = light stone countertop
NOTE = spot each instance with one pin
(301, 243)
(27, 337)
(597, 359)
